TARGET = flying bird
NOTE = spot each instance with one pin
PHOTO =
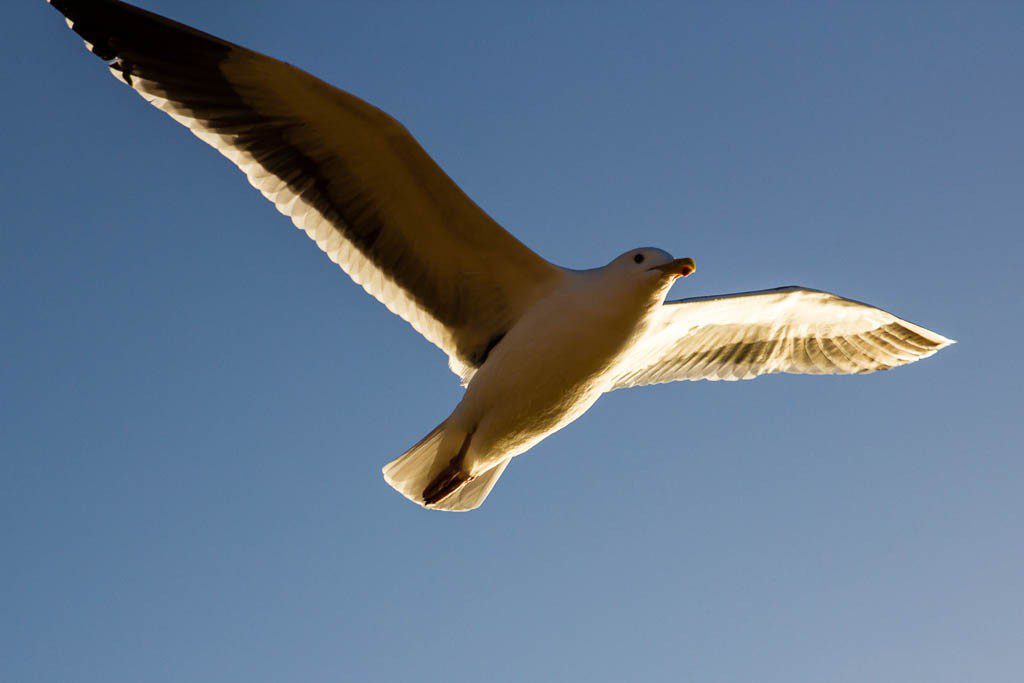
(534, 344)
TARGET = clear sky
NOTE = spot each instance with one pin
(196, 403)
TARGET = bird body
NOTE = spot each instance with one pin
(535, 344)
(554, 363)
(550, 368)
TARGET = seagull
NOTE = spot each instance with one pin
(535, 345)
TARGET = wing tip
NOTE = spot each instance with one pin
(941, 341)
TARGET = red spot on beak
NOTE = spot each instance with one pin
(685, 266)
(681, 267)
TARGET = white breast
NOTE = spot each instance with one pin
(549, 369)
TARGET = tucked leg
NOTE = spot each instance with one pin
(451, 478)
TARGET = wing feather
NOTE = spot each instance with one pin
(791, 329)
(346, 173)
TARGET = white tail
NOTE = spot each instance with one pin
(411, 473)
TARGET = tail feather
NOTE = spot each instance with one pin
(413, 472)
(472, 495)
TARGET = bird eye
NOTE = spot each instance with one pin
(639, 258)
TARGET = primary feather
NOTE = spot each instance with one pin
(790, 329)
(352, 177)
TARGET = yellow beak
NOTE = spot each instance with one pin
(681, 267)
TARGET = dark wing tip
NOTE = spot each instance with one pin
(76, 15)
(113, 29)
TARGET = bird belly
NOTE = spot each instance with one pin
(546, 372)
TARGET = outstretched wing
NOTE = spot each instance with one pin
(791, 329)
(346, 173)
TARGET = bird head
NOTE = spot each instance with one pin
(652, 266)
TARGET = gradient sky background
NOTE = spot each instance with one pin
(196, 403)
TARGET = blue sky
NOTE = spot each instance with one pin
(196, 404)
